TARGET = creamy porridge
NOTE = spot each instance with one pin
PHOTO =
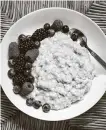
(63, 72)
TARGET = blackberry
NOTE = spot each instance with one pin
(19, 63)
(22, 47)
(18, 68)
(39, 34)
(31, 45)
(28, 44)
(19, 79)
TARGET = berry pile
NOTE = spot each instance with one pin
(21, 56)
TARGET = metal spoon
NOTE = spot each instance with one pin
(78, 36)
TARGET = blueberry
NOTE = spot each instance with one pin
(21, 38)
(83, 41)
(30, 79)
(65, 29)
(74, 36)
(29, 101)
(11, 73)
(83, 44)
(27, 72)
(11, 63)
(37, 104)
(46, 26)
(37, 44)
(28, 65)
(46, 107)
(51, 32)
(16, 89)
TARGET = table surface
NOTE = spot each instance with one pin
(11, 117)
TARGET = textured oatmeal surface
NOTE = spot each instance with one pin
(63, 72)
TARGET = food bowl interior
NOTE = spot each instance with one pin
(27, 25)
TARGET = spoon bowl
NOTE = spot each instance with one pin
(77, 35)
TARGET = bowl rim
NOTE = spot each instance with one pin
(40, 10)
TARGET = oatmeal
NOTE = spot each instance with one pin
(63, 72)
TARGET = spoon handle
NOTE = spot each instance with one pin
(102, 62)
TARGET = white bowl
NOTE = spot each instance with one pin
(96, 40)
